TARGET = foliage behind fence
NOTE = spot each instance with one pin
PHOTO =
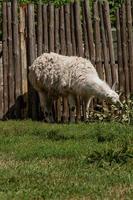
(69, 30)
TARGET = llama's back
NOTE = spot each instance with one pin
(58, 73)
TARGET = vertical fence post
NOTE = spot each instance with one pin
(1, 85)
(110, 40)
(125, 50)
(130, 42)
(45, 28)
(5, 57)
(39, 30)
(68, 41)
(62, 31)
(23, 60)
(73, 30)
(57, 38)
(51, 27)
(68, 30)
(90, 36)
(10, 58)
(80, 51)
(33, 98)
(63, 51)
(98, 45)
(121, 75)
(79, 38)
(16, 58)
(89, 31)
(57, 50)
(85, 36)
(105, 48)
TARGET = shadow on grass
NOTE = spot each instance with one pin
(105, 138)
(55, 135)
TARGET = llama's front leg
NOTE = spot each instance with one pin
(42, 100)
(49, 109)
(72, 104)
(87, 102)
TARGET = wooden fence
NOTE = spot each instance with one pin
(29, 30)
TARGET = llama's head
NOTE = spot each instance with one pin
(114, 98)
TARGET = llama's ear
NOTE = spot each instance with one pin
(120, 93)
(114, 86)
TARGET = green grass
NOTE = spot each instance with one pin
(65, 162)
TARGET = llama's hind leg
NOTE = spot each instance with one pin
(46, 106)
(72, 105)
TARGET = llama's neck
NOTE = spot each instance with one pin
(98, 88)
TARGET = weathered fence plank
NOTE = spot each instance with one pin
(108, 77)
(10, 58)
(45, 27)
(80, 51)
(98, 45)
(16, 59)
(132, 8)
(1, 86)
(130, 41)
(16, 53)
(125, 49)
(63, 51)
(23, 60)
(73, 30)
(68, 42)
(57, 38)
(68, 30)
(57, 50)
(79, 39)
(33, 98)
(39, 30)
(5, 57)
(51, 28)
(119, 50)
(23, 51)
(110, 41)
(85, 37)
(62, 32)
(89, 31)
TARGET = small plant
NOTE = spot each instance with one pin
(124, 115)
(110, 156)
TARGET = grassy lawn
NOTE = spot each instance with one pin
(65, 162)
